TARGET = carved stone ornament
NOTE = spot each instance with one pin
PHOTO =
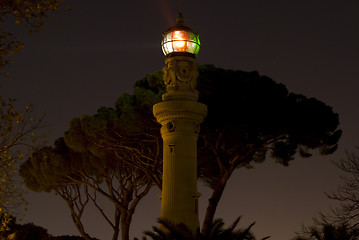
(180, 74)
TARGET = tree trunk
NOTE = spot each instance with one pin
(116, 224)
(125, 225)
(115, 234)
(213, 203)
(81, 230)
(77, 220)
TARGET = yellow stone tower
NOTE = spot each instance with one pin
(180, 116)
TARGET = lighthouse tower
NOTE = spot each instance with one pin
(180, 116)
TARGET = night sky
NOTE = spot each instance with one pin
(86, 58)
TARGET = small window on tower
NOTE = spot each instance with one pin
(172, 148)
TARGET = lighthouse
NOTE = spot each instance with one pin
(180, 116)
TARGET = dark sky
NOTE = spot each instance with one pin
(86, 58)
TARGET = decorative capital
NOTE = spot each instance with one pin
(180, 77)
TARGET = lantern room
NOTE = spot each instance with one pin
(180, 40)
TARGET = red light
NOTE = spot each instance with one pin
(179, 41)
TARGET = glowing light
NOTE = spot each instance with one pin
(180, 41)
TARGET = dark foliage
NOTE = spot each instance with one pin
(170, 231)
(30, 231)
(249, 114)
(326, 231)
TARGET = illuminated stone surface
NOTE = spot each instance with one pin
(180, 116)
